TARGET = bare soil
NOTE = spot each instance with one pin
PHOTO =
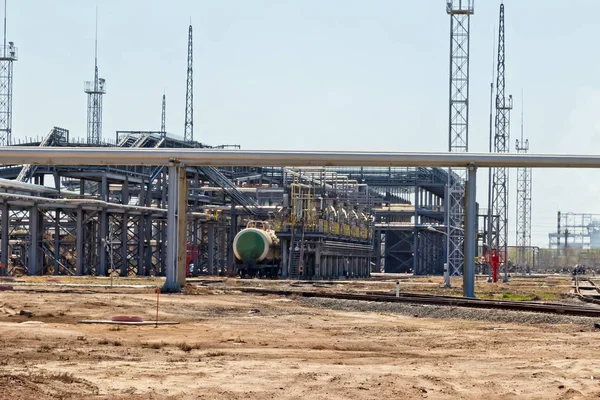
(230, 345)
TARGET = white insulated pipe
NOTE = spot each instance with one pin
(202, 157)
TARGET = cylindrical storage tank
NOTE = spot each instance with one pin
(253, 245)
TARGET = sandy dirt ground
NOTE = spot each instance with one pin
(230, 345)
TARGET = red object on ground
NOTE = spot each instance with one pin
(6, 287)
(192, 255)
(126, 318)
(7, 278)
(494, 259)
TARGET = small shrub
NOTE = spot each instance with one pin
(44, 348)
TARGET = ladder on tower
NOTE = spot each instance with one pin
(294, 268)
(217, 178)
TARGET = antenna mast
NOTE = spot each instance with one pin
(188, 135)
(95, 90)
(501, 145)
(9, 55)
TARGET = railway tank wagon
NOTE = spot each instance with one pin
(256, 250)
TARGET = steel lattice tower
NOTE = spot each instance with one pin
(188, 134)
(95, 90)
(7, 56)
(501, 145)
(460, 12)
(163, 117)
(524, 182)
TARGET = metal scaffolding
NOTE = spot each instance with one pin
(460, 12)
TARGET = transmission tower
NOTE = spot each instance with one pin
(460, 12)
(524, 182)
(163, 117)
(8, 55)
(188, 134)
(501, 145)
(95, 90)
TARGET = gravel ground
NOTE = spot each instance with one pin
(430, 311)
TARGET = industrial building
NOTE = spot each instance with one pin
(329, 223)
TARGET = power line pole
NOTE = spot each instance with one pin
(501, 145)
(524, 183)
(188, 135)
(460, 12)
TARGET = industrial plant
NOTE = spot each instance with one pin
(150, 263)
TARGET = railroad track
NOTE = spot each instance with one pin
(550, 308)
(583, 297)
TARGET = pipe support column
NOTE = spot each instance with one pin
(470, 228)
(176, 228)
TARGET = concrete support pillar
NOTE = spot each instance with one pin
(176, 228)
(470, 234)
(33, 256)
(4, 249)
(211, 250)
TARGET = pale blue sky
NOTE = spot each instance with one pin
(318, 74)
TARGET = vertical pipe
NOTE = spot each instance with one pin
(471, 226)
(33, 254)
(57, 242)
(212, 270)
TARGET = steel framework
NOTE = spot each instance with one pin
(460, 12)
(501, 145)
(524, 185)
(188, 134)
(7, 57)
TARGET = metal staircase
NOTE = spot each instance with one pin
(217, 178)
(56, 136)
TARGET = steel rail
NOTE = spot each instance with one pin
(551, 308)
(210, 157)
(583, 297)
